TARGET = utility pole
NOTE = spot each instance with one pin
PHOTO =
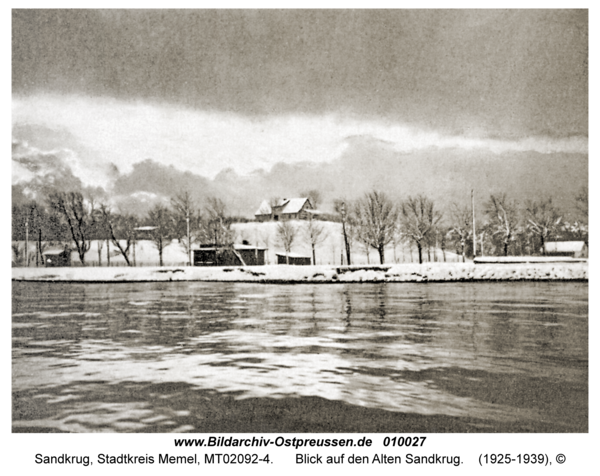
(27, 242)
(343, 213)
(189, 247)
(474, 236)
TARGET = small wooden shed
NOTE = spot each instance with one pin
(294, 259)
(57, 257)
(574, 249)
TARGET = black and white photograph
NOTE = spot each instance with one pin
(299, 221)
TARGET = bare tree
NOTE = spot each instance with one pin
(314, 196)
(484, 238)
(162, 232)
(461, 228)
(286, 235)
(218, 227)
(444, 235)
(504, 219)
(342, 209)
(581, 202)
(119, 227)
(543, 219)
(100, 245)
(37, 220)
(185, 216)
(419, 219)
(580, 227)
(376, 218)
(79, 215)
(363, 238)
(314, 234)
(21, 258)
(218, 223)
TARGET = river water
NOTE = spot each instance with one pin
(243, 357)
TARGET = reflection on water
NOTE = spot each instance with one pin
(148, 357)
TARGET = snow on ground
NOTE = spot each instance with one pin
(310, 274)
(399, 263)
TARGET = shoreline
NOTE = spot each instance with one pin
(285, 274)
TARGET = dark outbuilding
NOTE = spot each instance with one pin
(293, 259)
(239, 255)
(57, 258)
(573, 249)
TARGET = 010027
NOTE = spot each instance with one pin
(404, 441)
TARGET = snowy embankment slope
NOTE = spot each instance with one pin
(430, 272)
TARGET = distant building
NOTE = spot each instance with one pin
(286, 209)
(240, 255)
(294, 259)
(573, 249)
(59, 257)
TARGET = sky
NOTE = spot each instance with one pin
(232, 102)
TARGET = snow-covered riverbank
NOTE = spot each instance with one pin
(430, 272)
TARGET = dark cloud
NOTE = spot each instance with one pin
(508, 73)
(445, 175)
(150, 183)
(151, 176)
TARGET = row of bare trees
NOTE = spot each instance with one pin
(374, 221)
(72, 217)
(504, 227)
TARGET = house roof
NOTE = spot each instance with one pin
(564, 246)
(248, 247)
(294, 205)
(56, 251)
(285, 205)
(236, 247)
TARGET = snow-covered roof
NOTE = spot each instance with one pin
(293, 255)
(564, 246)
(247, 247)
(236, 247)
(294, 205)
(56, 251)
(285, 205)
